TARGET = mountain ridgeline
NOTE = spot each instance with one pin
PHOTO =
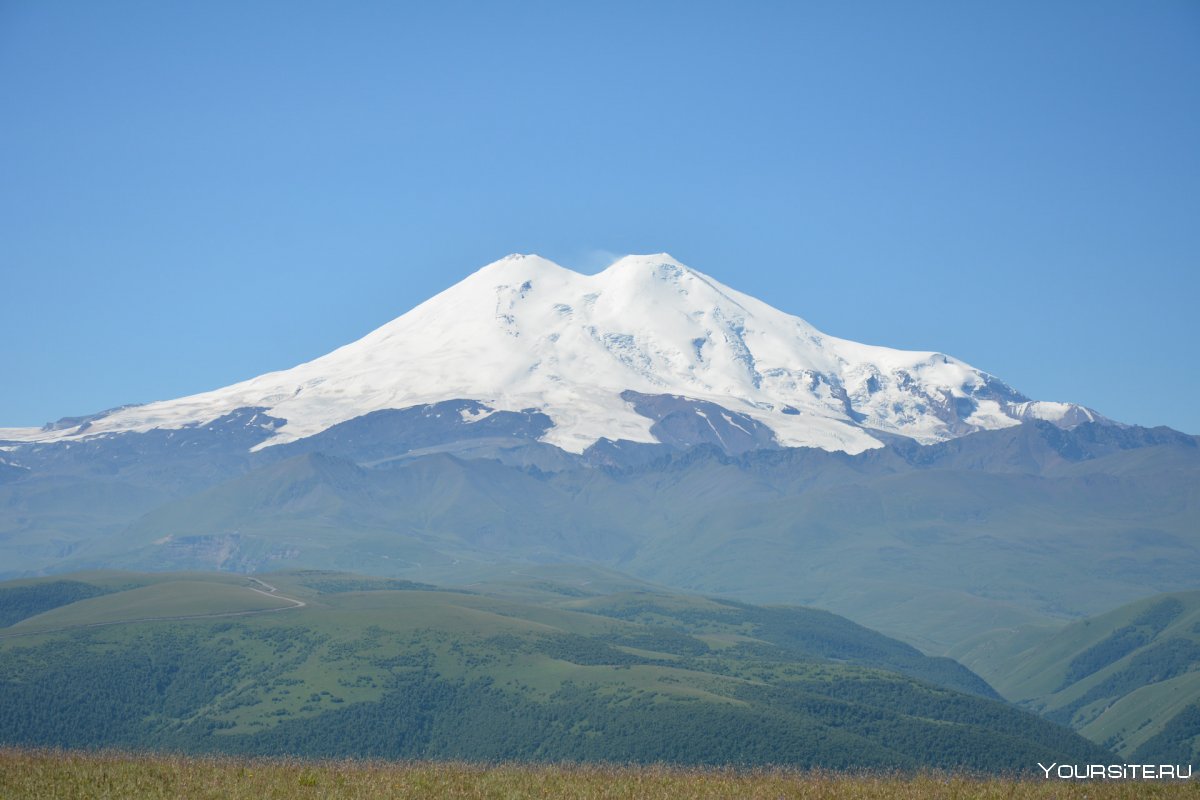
(934, 543)
(648, 351)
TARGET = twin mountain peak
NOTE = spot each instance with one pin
(646, 351)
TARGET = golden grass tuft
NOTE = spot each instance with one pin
(55, 774)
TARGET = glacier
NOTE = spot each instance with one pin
(525, 334)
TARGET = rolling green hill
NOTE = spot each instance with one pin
(1129, 678)
(578, 664)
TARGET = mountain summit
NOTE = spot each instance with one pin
(640, 349)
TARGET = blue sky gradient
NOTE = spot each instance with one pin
(195, 193)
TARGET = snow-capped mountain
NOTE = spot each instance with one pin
(610, 356)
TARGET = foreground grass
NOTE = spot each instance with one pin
(47, 774)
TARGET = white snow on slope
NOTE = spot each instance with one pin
(523, 332)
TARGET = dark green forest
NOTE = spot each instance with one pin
(152, 694)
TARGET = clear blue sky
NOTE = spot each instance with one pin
(195, 193)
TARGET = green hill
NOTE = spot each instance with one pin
(1129, 678)
(580, 664)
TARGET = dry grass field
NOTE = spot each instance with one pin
(53, 774)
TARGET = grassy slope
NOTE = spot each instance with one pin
(1118, 678)
(40, 774)
(209, 597)
(567, 664)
